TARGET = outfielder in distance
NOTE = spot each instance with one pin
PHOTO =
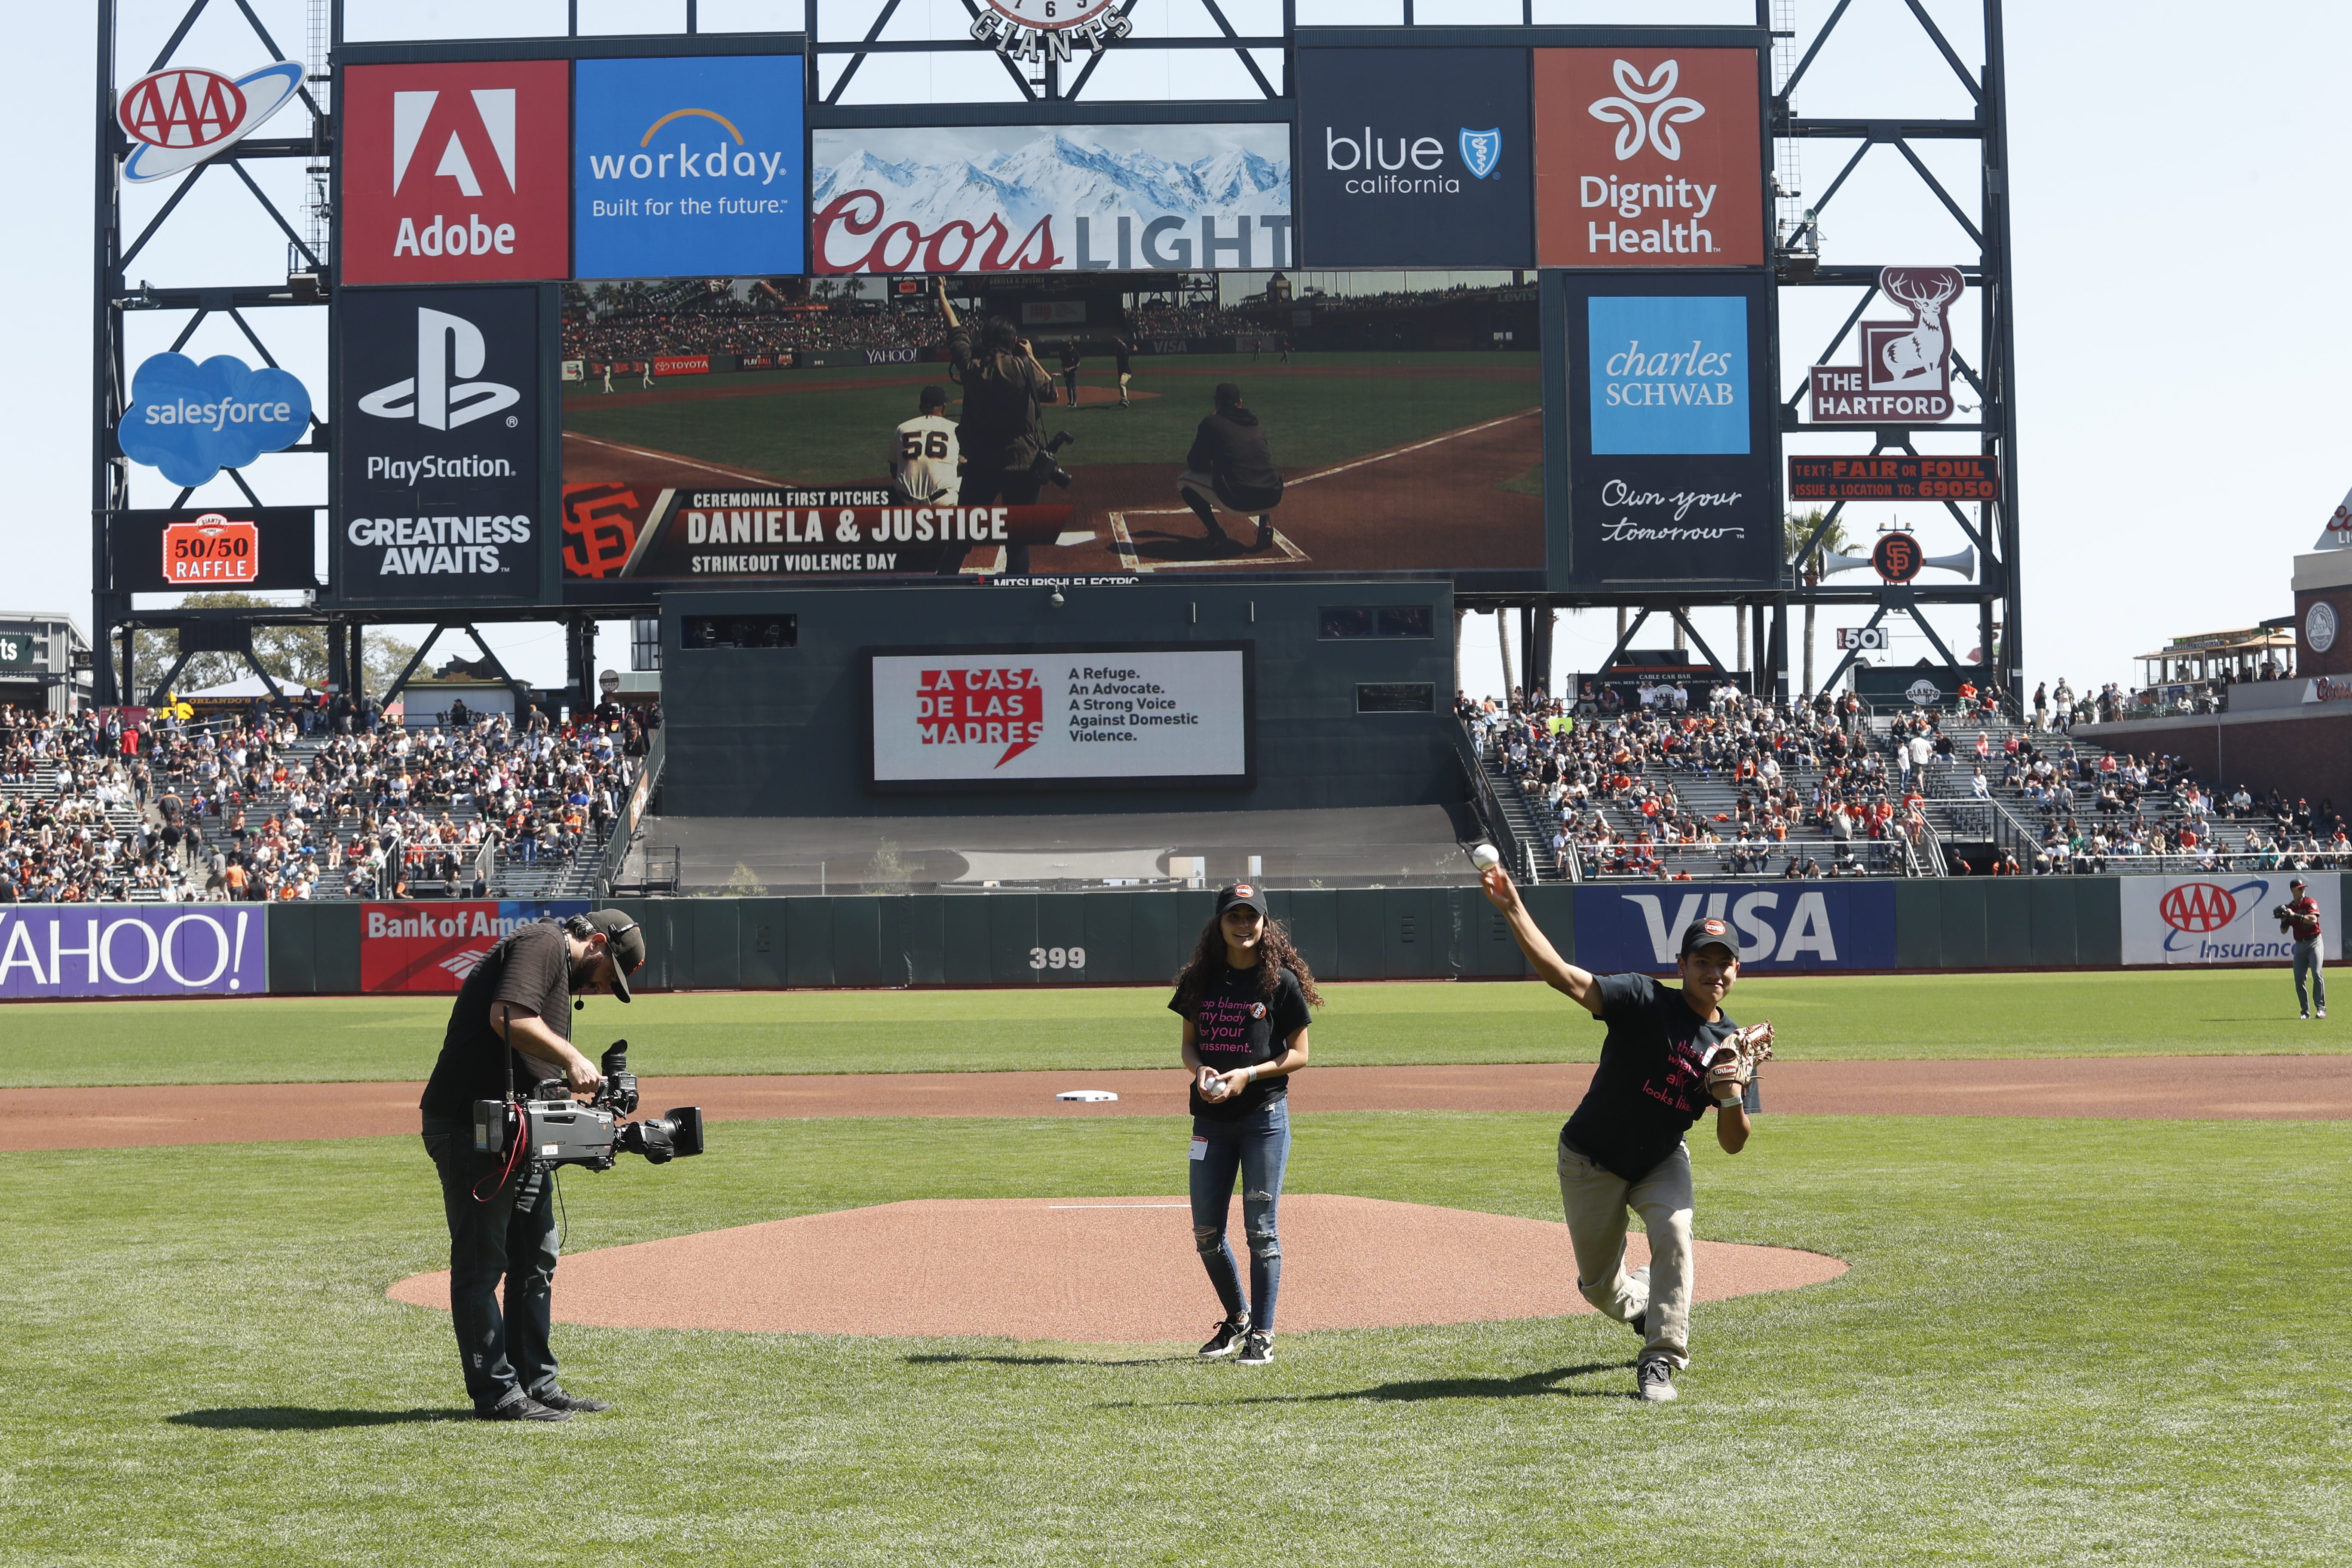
(1668, 1055)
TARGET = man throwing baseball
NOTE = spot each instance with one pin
(2300, 916)
(1670, 1054)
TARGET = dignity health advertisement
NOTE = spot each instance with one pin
(1054, 716)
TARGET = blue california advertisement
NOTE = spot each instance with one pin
(1638, 926)
(688, 168)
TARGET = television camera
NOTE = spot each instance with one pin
(548, 1128)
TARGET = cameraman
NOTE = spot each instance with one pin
(1003, 386)
(512, 1028)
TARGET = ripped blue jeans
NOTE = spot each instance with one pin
(1257, 1148)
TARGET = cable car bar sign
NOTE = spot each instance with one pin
(1044, 30)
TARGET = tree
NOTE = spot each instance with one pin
(287, 653)
(1796, 531)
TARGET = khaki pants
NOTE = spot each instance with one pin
(1595, 1201)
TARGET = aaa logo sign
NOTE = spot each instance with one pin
(981, 708)
(2205, 919)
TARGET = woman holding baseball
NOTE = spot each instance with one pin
(1244, 998)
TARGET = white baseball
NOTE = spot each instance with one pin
(1486, 857)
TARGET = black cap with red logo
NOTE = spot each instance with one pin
(1709, 933)
(1241, 893)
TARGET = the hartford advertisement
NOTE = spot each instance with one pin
(112, 950)
(1781, 925)
(2223, 917)
(433, 947)
(1072, 715)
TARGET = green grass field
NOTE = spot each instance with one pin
(2060, 1341)
(351, 1039)
(1320, 409)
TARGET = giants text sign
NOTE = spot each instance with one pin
(433, 947)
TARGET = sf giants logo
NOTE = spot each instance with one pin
(457, 173)
(981, 707)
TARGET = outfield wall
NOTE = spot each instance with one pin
(1120, 937)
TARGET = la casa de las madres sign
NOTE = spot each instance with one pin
(1905, 373)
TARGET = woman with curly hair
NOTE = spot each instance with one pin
(1244, 999)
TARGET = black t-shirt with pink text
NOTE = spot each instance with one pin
(1650, 1087)
(1235, 1027)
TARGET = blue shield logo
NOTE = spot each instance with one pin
(1481, 151)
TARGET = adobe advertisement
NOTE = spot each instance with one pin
(112, 950)
(419, 947)
(1149, 714)
(730, 429)
(1650, 158)
(688, 167)
(172, 551)
(454, 172)
(2223, 917)
(1414, 158)
(1073, 197)
(438, 445)
(1671, 459)
(1780, 925)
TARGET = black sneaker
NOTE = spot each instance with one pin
(1654, 1380)
(1226, 1340)
(1257, 1348)
(556, 1399)
(520, 1406)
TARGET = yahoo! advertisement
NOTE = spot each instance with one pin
(48, 952)
(1780, 925)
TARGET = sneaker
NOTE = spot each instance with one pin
(1226, 1340)
(520, 1406)
(2304, 1018)
(556, 1399)
(2323, 1012)
(1264, 536)
(1654, 1380)
(1257, 1348)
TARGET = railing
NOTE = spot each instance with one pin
(1490, 807)
(1712, 862)
(632, 810)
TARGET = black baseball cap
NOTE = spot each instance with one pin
(932, 398)
(2298, 882)
(1709, 933)
(1241, 893)
(625, 940)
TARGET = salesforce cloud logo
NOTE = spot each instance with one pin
(193, 420)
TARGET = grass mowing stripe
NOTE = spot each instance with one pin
(2086, 1340)
(1822, 1018)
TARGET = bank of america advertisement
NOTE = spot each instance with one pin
(1081, 198)
(438, 445)
(1062, 716)
(2224, 916)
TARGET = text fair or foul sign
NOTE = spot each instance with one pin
(1905, 373)
(1648, 158)
(1063, 716)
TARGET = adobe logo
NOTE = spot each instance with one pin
(457, 173)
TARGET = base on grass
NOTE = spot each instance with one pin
(1099, 1270)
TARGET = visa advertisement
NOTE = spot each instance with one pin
(1780, 925)
(417, 947)
(1415, 158)
(2223, 917)
(1671, 446)
(1172, 198)
(1055, 716)
(52, 952)
(688, 167)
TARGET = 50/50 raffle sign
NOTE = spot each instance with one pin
(1062, 715)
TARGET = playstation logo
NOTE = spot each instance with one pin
(448, 348)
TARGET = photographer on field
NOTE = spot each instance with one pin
(1003, 386)
(512, 1028)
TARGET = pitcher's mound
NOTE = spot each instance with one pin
(1112, 1271)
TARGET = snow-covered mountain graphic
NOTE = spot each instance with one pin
(931, 177)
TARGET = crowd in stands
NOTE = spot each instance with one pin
(77, 835)
(633, 328)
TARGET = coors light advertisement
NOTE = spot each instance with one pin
(1073, 197)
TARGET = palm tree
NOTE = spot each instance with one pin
(1797, 530)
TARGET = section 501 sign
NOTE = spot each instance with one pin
(1054, 716)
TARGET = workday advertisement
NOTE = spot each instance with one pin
(432, 947)
(47, 952)
(1781, 925)
(688, 167)
(2222, 917)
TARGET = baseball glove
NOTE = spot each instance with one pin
(1731, 1063)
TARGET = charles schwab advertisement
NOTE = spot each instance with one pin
(1673, 465)
(438, 445)
(1055, 716)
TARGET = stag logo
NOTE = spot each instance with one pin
(1647, 110)
(1916, 355)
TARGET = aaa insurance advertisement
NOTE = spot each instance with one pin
(1063, 715)
(2223, 917)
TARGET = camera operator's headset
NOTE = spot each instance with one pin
(577, 925)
